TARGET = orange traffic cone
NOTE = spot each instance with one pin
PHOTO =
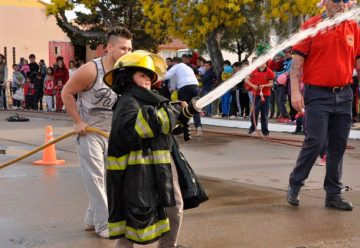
(49, 154)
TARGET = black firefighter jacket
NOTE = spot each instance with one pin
(139, 178)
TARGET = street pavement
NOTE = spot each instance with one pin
(245, 176)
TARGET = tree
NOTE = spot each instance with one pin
(289, 14)
(104, 14)
(195, 22)
(243, 39)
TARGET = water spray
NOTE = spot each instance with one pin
(353, 14)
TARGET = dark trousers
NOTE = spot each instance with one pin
(355, 106)
(299, 124)
(4, 97)
(293, 112)
(225, 104)
(263, 108)
(208, 108)
(187, 93)
(38, 98)
(29, 102)
(244, 104)
(235, 101)
(327, 116)
(273, 102)
(281, 96)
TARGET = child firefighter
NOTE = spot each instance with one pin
(145, 200)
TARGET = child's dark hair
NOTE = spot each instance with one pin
(50, 68)
(124, 78)
(237, 64)
(226, 62)
(59, 58)
(177, 60)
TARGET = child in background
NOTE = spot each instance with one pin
(25, 69)
(49, 89)
(17, 84)
(39, 91)
(261, 81)
(29, 94)
(226, 98)
(59, 103)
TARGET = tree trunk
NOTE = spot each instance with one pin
(213, 48)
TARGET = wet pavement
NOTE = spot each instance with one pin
(245, 177)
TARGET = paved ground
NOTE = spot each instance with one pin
(245, 178)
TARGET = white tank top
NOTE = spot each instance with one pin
(95, 105)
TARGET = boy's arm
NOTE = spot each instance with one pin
(248, 82)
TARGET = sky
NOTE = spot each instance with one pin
(70, 14)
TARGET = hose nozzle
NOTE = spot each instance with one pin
(191, 109)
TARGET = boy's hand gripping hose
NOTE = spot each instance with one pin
(64, 136)
(185, 115)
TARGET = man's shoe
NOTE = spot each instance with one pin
(88, 227)
(338, 203)
(104, 234)
(251, 131)
(293, 196)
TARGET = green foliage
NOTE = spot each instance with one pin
(90, 28)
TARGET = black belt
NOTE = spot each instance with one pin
(332, 89)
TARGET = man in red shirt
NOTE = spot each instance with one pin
(324, 63)
(261, 81)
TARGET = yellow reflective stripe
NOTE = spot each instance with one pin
(113, 163)
(117, 228)
(142, 127)
(148, 233)
(161, 157)
(165, 121)
(136, 158)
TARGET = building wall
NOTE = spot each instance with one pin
(60, 48)
(27, 29)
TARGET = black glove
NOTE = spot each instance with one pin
(186, 131)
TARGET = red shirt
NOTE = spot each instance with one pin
(61, 74)
(58, 89)
(258, 77)
(330, 55)
(29, 89)
(49, 87)
(275, 65)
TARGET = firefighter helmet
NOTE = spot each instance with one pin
(152, 64)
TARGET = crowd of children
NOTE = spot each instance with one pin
(33, 82)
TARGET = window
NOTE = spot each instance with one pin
(14, 55)
(57, 50)
(5, 53)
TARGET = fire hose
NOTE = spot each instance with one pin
(64, 136)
